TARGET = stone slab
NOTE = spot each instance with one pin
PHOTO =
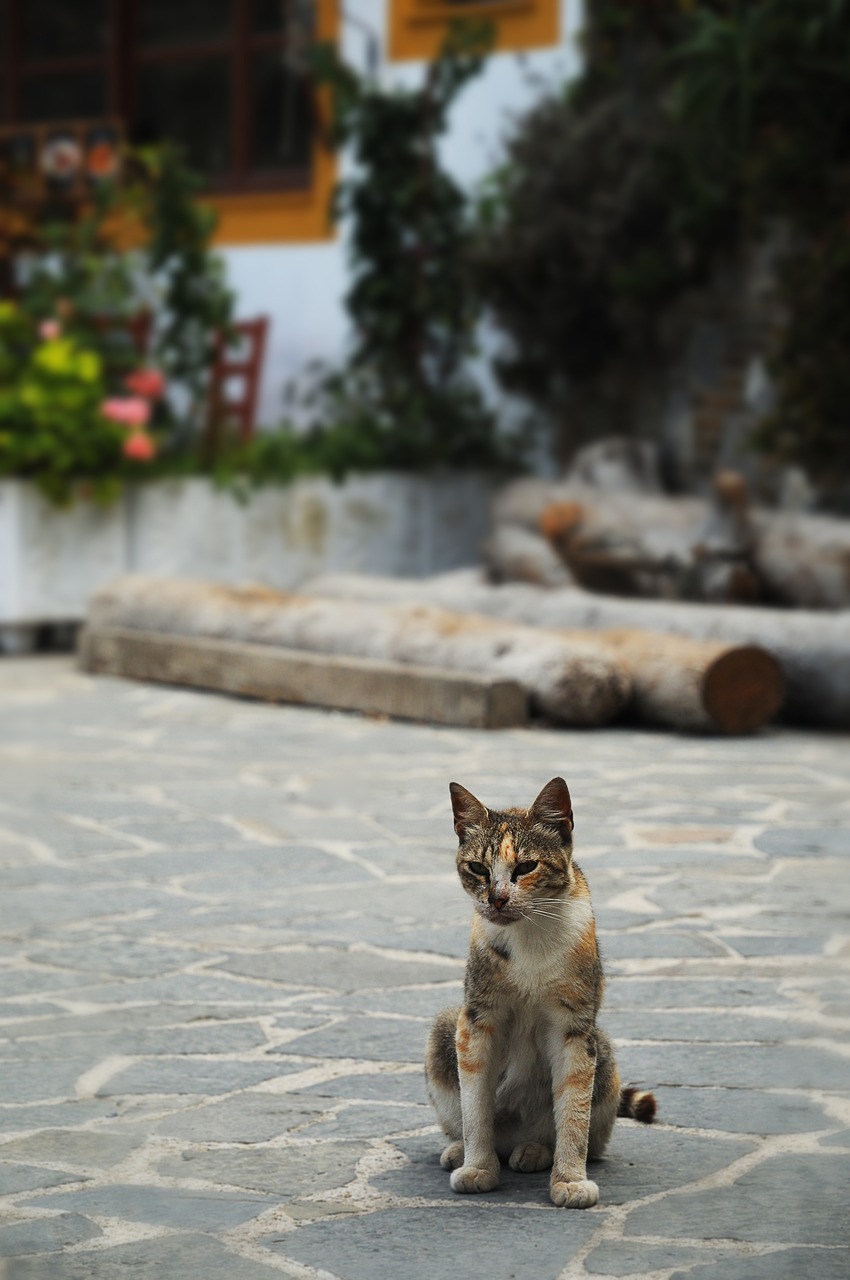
(785, 1199)
(287, 675)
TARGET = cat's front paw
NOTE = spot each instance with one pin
(574, 1195)
(470, 1178)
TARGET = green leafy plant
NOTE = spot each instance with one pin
(51, 427)
(85, 274)
(695, 127)
(405, 397)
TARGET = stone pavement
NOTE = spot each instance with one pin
(225, 926)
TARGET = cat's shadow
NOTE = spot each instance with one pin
(423, 1177)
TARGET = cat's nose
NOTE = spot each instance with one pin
(498, 898)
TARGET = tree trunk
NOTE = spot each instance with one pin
(567, 679)
(812, 648)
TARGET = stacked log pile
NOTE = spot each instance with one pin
(659, 547)
(571, 676)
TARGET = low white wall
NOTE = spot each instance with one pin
(52, 560)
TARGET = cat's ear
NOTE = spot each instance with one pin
(468, 811)
(553, 808)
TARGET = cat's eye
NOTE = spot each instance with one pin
(523, 869)
(478, 869)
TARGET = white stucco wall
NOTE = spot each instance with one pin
(301, 286)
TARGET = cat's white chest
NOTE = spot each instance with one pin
(540, 949)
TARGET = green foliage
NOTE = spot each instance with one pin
(51, 427)
(84, 274)
(195, 300)
(405, 398)
(811, 423)
(694, 127)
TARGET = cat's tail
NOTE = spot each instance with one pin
(636, 1104)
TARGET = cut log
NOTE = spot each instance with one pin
(803, 559)
(566, 679)
(515, 554)
(698, 684)
(813, 648)
(686, 548)
(633, 545)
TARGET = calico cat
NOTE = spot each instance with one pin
(522, 1071)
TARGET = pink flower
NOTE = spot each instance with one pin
(49, 330)
(145, 382)
(129, 411)
(139, 446)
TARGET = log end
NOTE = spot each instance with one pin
(743, 689)
(560, 518)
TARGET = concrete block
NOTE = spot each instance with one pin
(286, 675)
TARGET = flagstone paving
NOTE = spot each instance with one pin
(224, 927)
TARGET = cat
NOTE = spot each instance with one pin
(522, 1071)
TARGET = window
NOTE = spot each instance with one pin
(418, 27)
(222, 77)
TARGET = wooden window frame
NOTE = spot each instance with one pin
(417, 28)
(253, 205)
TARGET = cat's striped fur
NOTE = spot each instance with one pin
(521, 1070)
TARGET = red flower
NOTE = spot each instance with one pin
(145, 382)
(126, 410)
(139, 447)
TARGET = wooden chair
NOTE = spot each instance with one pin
(238, 359)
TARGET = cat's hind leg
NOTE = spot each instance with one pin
(531, 1157)
(606, 1098)
(443, 1082)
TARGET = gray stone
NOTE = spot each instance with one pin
(628, 1257)
(740, 1110)
(712, 1028)
(376, 1039)
(65, 1112)
(804, 842)
(211, 1037)
(284, 1172)
(81, 1148)
(26, 1177)
(45, 1235)
(658, 942)
(740, 1066)
(164, 1206)
(391, 1087)
(366, 1122)
(797, 1199)
(182, 1256)
(198, 1076)
(247, 1118)
(779, 1264)
(337, 968)
(420, 1243)
(675, 992)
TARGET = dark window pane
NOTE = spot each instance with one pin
(171, 22)
(269, 16)
(59, 29)
(280, 125)
(189, 103)
(69, 95)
